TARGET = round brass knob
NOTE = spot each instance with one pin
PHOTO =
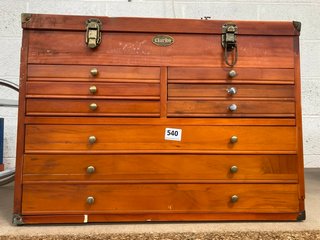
(232, 91)
(90, 200)
(91, 169)
(234, 169)
(234, 198)
(232, 73)
(93, 89)
(92, 139)
(93, 106)
(94, 71)
(233, 107)
(234, 139)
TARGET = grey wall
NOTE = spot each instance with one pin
(306, 11)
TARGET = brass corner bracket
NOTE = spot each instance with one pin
(297, 25)
(25, 17)
(17, 220)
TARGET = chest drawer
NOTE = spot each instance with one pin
(160, 198)
(148, 137)
(93, 107)
(231, 108)
(230, 91)
(159, 168)
(93, 90)
(93, 73)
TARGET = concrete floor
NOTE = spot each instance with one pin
(312, 223)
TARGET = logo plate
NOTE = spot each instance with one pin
(163, 40)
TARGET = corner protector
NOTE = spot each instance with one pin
(301, 216)
(17, 220)
(297, 25)
(25, 17)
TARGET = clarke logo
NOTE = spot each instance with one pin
(163, 40)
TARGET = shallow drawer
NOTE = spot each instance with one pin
(231, 108)
(93, 107)
(87, 73)
(125, 48)
(93, 90)
(216, 75)
(137, 138)
(229, 91)
(157, 168)
(133, 198)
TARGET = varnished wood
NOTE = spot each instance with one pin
(74, 107)
(146, 137)
(82, 73)
(104, 90)
(156, 167)
(219, 91)
(125, 24)
(134, 49)
(142, 89)
(161, 198)
(1, 167)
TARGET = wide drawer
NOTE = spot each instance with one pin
(152, 138)
(243, 75)
(231, 108)
(83, 73)
(163, 198)
(93, 90)
(230, 91)
(92, 107)
(159, 168)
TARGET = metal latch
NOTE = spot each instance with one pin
(229, 42)
(93, 34)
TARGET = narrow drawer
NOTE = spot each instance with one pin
(231, 108)
(93, 90)
(230, 91)
(92, 73)
(163, 198)
(159, 168)
(137, 138)
(93, 107)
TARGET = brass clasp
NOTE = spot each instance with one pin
(229, 42)
(93, 34)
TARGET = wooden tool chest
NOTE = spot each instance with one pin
(139, 119)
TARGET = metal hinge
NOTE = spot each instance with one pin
(229, 42)
(93, 33)
(17, 220)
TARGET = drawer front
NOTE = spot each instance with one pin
(93, 107)
(156, 167)
(216, 75)
(93, 90)
(147, 137)
(241, 108)
(83, 73)
(162, 198)
(119, 48)
(229, 91)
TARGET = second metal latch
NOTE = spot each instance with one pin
(229, 42)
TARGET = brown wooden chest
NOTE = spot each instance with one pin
(139, 119)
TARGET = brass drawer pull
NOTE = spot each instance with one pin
(234, 198)
(234, 139)
(232, 73)
(92, 139)
(93, 89)
(90, 200)
(93, 106)
(233, 107)
(91, 169)
(94, 72)
(234, 169)
(232, 91)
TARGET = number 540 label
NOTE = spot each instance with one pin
(173, 134)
